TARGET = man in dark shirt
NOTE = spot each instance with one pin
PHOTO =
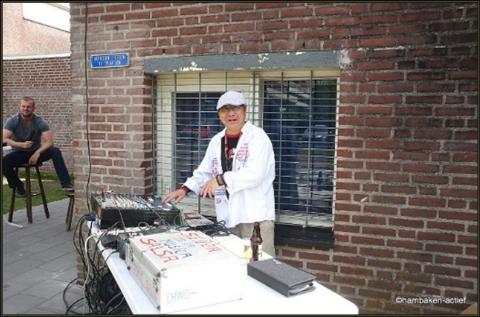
(32, 141)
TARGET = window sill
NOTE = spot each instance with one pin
(300, 236)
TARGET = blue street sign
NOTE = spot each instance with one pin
(109, 60)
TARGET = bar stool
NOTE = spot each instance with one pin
(68, 219)
(28, 191)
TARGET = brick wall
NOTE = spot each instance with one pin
(407, 208)
(23, 37)
(48, 81)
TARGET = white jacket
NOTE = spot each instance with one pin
(249, 184)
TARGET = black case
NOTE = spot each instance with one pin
(282, 277)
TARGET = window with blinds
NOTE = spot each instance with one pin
(297, 109)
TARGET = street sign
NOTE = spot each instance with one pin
(109, 60)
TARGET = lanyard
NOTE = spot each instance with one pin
(229, 152)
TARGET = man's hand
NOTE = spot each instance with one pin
(34, 158)
(25, 145)
(209, 188)
(177, 196)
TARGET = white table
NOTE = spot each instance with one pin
(258, 299)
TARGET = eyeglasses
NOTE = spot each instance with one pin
(226, 109)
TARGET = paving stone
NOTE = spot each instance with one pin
(27, 263)
(12, 289)
(38, 311)
(59, 264)
(46, 289)
(66, 275)
(11, 258)
(39, 261)
(29, 277)
(21, 303)
(56, 304)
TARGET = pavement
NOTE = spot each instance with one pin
(39, 261)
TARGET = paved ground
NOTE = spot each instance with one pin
(39, 261)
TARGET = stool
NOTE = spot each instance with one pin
(28, 191)
(68, 219)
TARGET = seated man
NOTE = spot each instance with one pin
(32, 141)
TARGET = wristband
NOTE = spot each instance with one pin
(220, 180)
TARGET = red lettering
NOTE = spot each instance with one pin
(199, 240)
(149, 241)
(165, 255)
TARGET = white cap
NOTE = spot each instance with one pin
(233, 98)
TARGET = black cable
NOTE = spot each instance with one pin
(70, 308)
(80, 250)
(87, 123)
(217, 228)
(90, 283)
(96, 253)
(67, 306)
(106, 259)
(95, 276)
(121, 218)
(99, 279)
(119, 305)
(78, 229)
(110, 302)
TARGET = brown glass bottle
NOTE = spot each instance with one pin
(256, 242)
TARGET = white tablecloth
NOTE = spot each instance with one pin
(258, 299)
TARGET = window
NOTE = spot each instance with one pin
(297, 109)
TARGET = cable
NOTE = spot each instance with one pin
(218, 228)
(70, 308)
(79, 249)
(87, 122)
(121, 218)
(108, 257)
(88, 263)
(67, 306)
(65, 291)
(110, 302)
(99, 284)
(85, 284)
(119, 305)
(78, 227)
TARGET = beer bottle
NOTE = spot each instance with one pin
(256, 242)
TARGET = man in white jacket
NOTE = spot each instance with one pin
(237, 170)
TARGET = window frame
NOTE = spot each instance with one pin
(284, 233)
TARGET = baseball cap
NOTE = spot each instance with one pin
(233, 98)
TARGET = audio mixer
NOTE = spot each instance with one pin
(128, 210)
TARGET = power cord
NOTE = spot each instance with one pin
(87, 119)
(101, 293)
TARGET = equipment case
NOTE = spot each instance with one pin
(185, 269)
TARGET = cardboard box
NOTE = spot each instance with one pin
(185, 269)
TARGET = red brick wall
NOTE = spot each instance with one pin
(407, 209)
(48, 81)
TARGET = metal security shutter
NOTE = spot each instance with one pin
(297, 109)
